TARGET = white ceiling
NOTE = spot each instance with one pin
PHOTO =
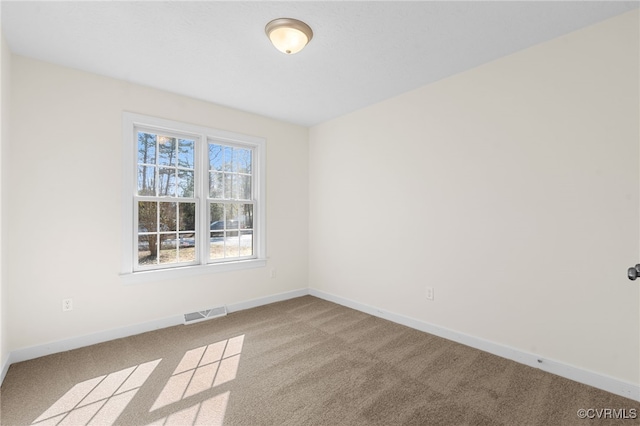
(361, 52)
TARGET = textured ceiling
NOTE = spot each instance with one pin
(361, 53)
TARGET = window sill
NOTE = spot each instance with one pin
(130, 278)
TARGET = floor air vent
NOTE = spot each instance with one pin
(198, 316)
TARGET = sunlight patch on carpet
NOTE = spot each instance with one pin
(209, 412)
(201, 369)
(97, 401)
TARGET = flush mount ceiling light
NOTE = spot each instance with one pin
(288, 35)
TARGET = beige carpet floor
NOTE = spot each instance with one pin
(304, 361)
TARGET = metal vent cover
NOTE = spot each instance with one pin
(206, 314)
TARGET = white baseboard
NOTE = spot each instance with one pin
(26, 354)
(32, 352)
(234, 307)
(597, 380)
(606, 383)
(5, 367)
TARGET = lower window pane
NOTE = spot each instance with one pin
(187, 217)
(187, 247)
(231, 233)
(231, 244)
(246, 243)
(168, 216)
(187, 240)
(147, 216)
(147, 250)
(168, 249)
(216, 245)
(216, 214)
(246, 216)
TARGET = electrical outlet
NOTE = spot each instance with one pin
(429, 293)
(272, 273)
(67, 305)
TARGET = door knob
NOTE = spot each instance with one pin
(633, 273)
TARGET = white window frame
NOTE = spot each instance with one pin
(202, 135)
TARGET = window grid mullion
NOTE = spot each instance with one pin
(202, 188)
(157, 232)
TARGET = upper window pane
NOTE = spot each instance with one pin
(242, 160)
(186, 152)
(166, 165)
(243, 187)
(146, 180)
(216, 161)
(230, 172)
(167, 182)
(186, 182)
(228, 159)
(215, 185)
(146, 148)
(167, 151)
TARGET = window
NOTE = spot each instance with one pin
(193, 198)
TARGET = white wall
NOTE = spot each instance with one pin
(512, 189)
(64, 237)
(5, 91)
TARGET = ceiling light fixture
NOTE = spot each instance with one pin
(288, 35)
